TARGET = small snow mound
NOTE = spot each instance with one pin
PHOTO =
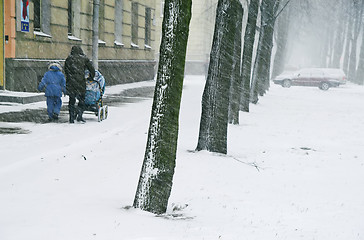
(177, 213)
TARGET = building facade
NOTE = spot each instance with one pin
(126, 48)
(2, 59)
(200, 36)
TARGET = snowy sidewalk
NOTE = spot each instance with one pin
(294, 170)
(19, 101)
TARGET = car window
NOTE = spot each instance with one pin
(304, 74)
(317, 73)
(334, 73)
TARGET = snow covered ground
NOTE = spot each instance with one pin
(294, 170)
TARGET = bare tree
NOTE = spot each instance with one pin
(236, 86)
(261, 71)
(339, 39)
(281, 38)
(359, 75)
(358, 19)
(349, 35)
(326, 30)
(215, 98)
(249, 38)
(155, 182)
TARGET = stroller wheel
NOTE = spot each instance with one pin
(106, 111)
(100, 114)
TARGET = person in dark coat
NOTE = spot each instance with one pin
(75, 66)
(54, 84)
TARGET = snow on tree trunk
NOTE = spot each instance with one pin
(236, 86)
(261, 72)
(155, 182)
(249, 38)
(215, 99)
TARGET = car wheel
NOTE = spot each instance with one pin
(286, 83)
(324, 86)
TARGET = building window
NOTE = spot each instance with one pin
(148, 24)
(70, 17)
(102, 22)
(119, 22)
(42, 16)
(74, 19)
(134, 23)
(37, 15)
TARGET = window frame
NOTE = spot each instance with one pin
(148, 27)
(37, 26)
(119, 17)
(134, 24)
(70, 18)
(42, 18)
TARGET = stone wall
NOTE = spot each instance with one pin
(25, 74)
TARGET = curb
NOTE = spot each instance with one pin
(8, 97)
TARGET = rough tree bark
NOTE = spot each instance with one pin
(249, 38)
(215, 98)
(261, 72)
(155, 182)
(236, 86)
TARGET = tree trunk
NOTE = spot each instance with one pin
(359, 76)
(249, 38)
(357, 26)
(360, 71)
(339, 36)
(325, 48)
(215, 98)
(236, 86)
(155, 182)
(261, 72)
(349, 35)
(281, 41)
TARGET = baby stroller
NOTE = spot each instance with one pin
(95, 89)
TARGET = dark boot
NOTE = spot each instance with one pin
(72, 115)
(79, 117)
(55, 116)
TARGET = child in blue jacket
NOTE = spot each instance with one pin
(54, 83)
